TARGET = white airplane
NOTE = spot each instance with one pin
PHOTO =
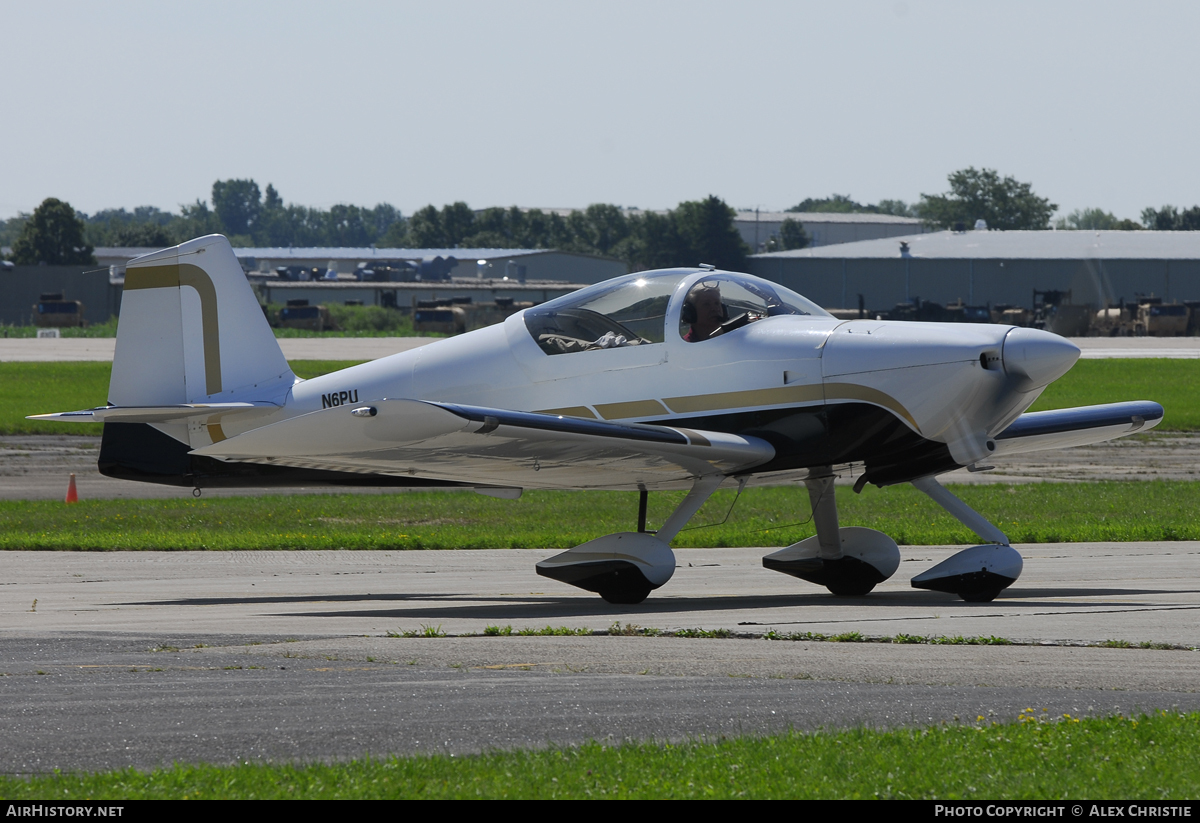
(679, 379)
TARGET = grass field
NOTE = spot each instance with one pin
(1150, 757)
(40, 388)
(105, 329)
(777, 516)
(352, 321)
(35, 388)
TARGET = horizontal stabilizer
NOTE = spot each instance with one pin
(158, 414)
(1063, 428)
(494, 446)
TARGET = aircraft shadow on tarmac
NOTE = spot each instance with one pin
(543, 607)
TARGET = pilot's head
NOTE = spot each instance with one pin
(702, 308)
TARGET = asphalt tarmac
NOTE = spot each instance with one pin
(146, 659)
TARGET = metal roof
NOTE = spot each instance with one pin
(1016, 245)
(335, 253)
(339, 253)
(826, 217)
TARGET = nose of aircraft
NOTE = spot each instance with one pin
(1037, 358)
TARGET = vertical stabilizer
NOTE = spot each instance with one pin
(191, 330)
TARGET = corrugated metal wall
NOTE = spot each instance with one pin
(835, 283)
(21, 287)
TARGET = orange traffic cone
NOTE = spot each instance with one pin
(72, 495)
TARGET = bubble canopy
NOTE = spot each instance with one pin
(632, 310)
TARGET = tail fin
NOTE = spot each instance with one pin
(191, 330)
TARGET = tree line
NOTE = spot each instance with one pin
(693, 232)
(700, 231)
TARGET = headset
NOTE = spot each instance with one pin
(688, 313)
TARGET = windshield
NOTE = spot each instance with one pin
(629, 311)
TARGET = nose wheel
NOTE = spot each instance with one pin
(981, 597)
(977, 574)
(625, 596)
(850, 562)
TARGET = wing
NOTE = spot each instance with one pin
(1063, 428)
(496, 447)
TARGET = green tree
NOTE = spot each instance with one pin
(896, 207)
(429, 228)
(605, 226)
(843, 204)
(346, 226)
(708, 234)
(493, 228)
(195, 220)
(145, 226)
(1169, 218)
(396, 237)
(1094, 220)
(271, 198)
(984, 195)
(237, 204)
(141, 235)
(458, 223)
(11, 229)
(655, 243)
(792, 235)
(833, 204)
(53, 235)
(379, 219)
(425, 229)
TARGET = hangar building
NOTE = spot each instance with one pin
(482, 274)
(523, 264)
(983, 267)
(824, 228)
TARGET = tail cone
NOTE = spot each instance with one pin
(72, 495)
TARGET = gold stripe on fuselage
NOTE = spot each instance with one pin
(778, 396)
(853, 391)
(810, 394)
(633, 408)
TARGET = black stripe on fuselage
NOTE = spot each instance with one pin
(827, 435)
(138, 451)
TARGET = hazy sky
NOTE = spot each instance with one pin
(567, 103)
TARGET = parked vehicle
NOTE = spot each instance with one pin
(52, 311)
(297, 314)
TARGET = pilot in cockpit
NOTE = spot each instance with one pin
(703, 309)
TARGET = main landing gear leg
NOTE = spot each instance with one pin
(625, 567)
(847, 561)
(976, 574)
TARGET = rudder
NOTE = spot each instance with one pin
(191, 331)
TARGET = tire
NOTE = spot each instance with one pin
(980, 597)
(625, 596)
(856, 589)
